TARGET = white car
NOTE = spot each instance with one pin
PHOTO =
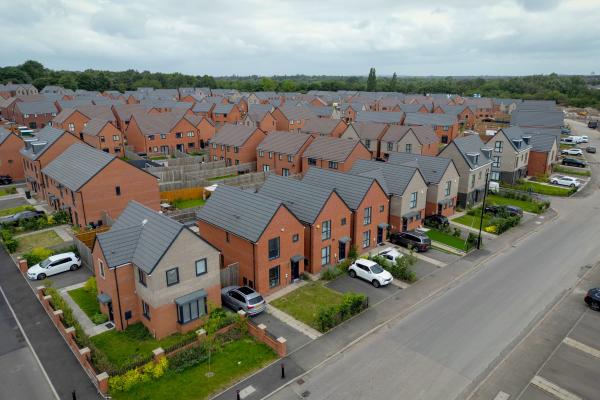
(390, 254)
(572, 152)
(565, 181)
(584, 139)
(370, 271)
(54, 265)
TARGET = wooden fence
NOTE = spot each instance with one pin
(88, 237)
(182, 194)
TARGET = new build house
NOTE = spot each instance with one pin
(409, 139)
(281, 152)
(369, 133)
(11, 159)
(333, 153)
(510, 157)
(236, 144)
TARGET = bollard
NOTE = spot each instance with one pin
(74, 395)
(282, 371)
(237, 394)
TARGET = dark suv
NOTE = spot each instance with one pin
(437, 220)
(573, 162)
(500, 210)
(5, 180)
(411, 239)
(593, 124)
(592, 299)
(21, 216)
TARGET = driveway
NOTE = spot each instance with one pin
(345, 284)
(64, 279)
(11, 203)
(294, 338)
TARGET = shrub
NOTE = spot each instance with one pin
(36, 255)
(332, 272)
(90, 285)
(99, 318)
(399, 269)
(61, 218)
(145, 373)
(188, 358)
(456, 232)
(353, 253)
(472, 239)
(9, 240)
(330, 316)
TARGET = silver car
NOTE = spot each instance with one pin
(243, 298)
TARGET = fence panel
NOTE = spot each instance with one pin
(230, 275)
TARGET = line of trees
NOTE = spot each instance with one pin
(568, 90)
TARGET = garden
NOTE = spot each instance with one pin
(571, 171)
(8, 190)
(26, 243)
(542, 188)
(189, 203)
(85, 297)
(452, 237)
(497, 224)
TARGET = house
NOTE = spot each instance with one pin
(324, 127)
(441, 177)
(236, 144)
(281, 152)
(17, 89)
(537, 118)
(259, 116)
(473, 160)
(333, 153)
(104, 136)
(365, 197)
(369, 133)
(465, 115)
(445, 126)
(511, 155)
(326, 218)
(409, 139)
(411, 108)
(205, 129)
(291, 118)
(225, 113)
(406, 188)
(162, 134)
(205, 108)
(39, 151)
(483, 107)
(382, 117)
(257, 235)
(544, 151)
(94, 186)
(34, 114)
(74, 120)
(11, 160)
(152, 269)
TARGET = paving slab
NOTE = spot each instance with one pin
(294, 338)
(535, 393)
(422, 268)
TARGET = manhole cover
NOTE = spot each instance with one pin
(300, 381)
(305, 394)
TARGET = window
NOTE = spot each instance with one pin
(192, 310)
(190, 134)
(295, 238)
(390, 146)
(201, 267)
(368, 143)
(142, 277)
(273, 248)
(480, 172)
(496, 161)
(118, 190)
(236, 149)
(408, 147)
(178, 135)
(261, 153)
(280, 156)
(71, 126)
(333, 165)
(214, 145)
(343, 221)
(116, 138)
(227, 237)
(413, 200)
(163, 136)
(291, 122)
(498, 146)
(366, 239)
(447, 188)
(285, 172)
(222, 147)
(274, 276)
(102, 139)
(145, 309)
(473, 181)
(367, 216)
(312, 161)
(495, 175)
(150, 137)
(270, 154)
(266, 167)
(172, 276)
(190, 144)
(101, 268)
(326, 230)
(290, 158)
(381, 209)
(325, 252)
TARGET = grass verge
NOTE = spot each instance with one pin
(14, 210)
(447, 239)
(40, 239)
(571, 171)
(217, 178)
(547, 190)
(86, 301)
(528, 206)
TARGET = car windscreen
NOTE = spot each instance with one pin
(45, 263)
(255, 300)
(376, 269)
(246, 290)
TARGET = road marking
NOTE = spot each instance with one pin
(553, 389)
(582, 347)
(247, 391)
(502, 396)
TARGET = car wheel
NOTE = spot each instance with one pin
(73, 267)
(41, 277)
(352, 273)
(572, 185)
(376, 283)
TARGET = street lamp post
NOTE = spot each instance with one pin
(485, 190)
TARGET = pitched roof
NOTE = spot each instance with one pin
(223, 108)
(430, 119)
(331, 148)
(203, 107)
(283, 142)
(243, 213)
(542, 142)
(94, 126)
(369, 130)
(514, 133)
(536, 105)
(472, 144)
(393, 178)
(424, 134)
(36, 107)
(351, 188)
(432, 168)
(303, 200)
(154, 124)
(77, 165)
(234, 135)
(322, 126)
(386, 117)
(4, 134)
(296, 113)
(539, 118)
(140, 236)
(412, 107)
(46, 135)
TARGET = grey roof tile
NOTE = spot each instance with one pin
(234, 135)
(369, 130)
(430, 119)
(386, 117)
(47, 135)
(542, 142)
(351, 188)
(36, 107)
(424, 134)
(321, 126)
(393, 177)
(283, 142)
(472, 144)
(432, 168)
(331, 148)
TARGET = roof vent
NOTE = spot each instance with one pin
(527, 139)
(28, 142)
(144, 222)
(38, 146)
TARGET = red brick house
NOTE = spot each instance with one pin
(409, 139)
(236, 144)
(259, 116)
(162, 133)
(444, 125)
(104, 136)
(206, 129)
(369, 133)
(544, 152)
(333, 153)
(225, 114)
(281, 152)
(92, 185)
(74, 120)
(291, 118)
(151, 269)
(466, 116)
(324, 127)
(34, 114)
(255, 233)
(11, 160)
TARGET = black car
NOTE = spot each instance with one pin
(573, 162)
(592, 299)
(590, 149)
(412, 240)
(21, 216)
(593, 124)
(5, 180)
(437, 220)
(500, 210)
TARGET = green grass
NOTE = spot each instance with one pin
(181, 204)
(539, 188)
(86, 301)
(217, 178)
(40, 239)
(304, 302)
(564, 146)
(135, 342)
(230, 364)
(447, 239)
(571, 171)
(473, 220)
(14, 210)
(529, 206)
(7, 191)
(159, 158)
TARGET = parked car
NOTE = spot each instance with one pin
(5, 180)
(593, 124)
(584, 139)
(573, 162)
(592, 299)
(21, 216)
(370, 271)
(499, 210)
(390, 254)
(564, 130)
(590, 149)
(568, 140)
(494, 187)
(411, 239)
(565, 181)
(437, 220)
(54, 265)
(572, 152)
(243, 298)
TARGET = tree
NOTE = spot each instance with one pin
(33, 68)
(288, 86)
(268, 84)
(371, 81)
(86, 81)
(68, 81)
(393, 83)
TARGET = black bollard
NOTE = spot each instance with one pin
(237, 394)
(74, 395)
(282, 371)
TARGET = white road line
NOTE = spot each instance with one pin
(582, 347)
(502, 396)
(553, 389)
(247, 391)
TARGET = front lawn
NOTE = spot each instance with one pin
(132, 344)
(448, 240)
(40, 239)
(14, 210)
(473, 220)
(571, 171)
(181, 204)
(529, 206)
(539, 188)
(86, 301)
(7, 191)
(230, 364)
(304, 303)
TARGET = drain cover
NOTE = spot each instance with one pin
(300, 381)
(305, 394)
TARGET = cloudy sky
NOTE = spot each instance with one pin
(266, 37)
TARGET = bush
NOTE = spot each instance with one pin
(9, 240)
(145, 373)
(61, 218)
(36, 255)
(399, 269)
(331, 316)
(91, 286)
(353, 253)
(332, 272)
(188, 358)
(99, 318)
(472, 240)
(456, 232)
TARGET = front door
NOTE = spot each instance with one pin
(342, 251)
(110, 312)
(180, 148)
(404, 224)
(295, 266)
(379, 235)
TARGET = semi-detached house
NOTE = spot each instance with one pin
(333, 153)
(510, 157)
(103, 135)
(11, 160)
(444, 125)
(236, 144)
(291, 118)
(281, 152)
(409, 139)
(369, 133)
